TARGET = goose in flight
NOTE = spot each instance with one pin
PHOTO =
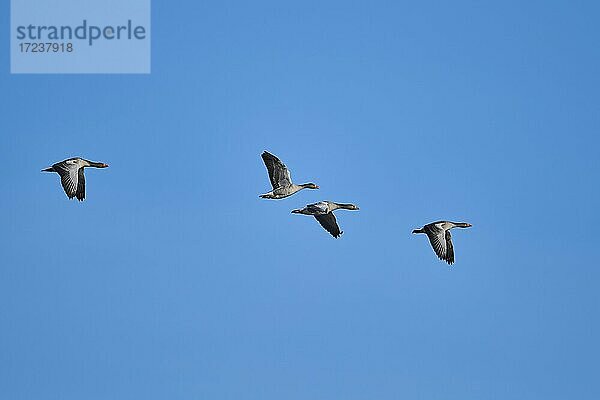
(71, 175)
(323, 212)
(441, 239)
(280, 178)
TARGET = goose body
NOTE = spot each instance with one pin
(71, 174)
(280, 178)
(323, 213)
(441, 239)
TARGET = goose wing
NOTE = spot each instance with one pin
(441, 241)
(330, 224)
(450, 247)
(69, 177)
(278, 172)
(80, 185)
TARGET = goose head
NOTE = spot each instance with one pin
(345, 206)
(310, 186)
(88, 163)
(98, 165)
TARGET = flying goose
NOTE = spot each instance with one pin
(323, 212)
(441, 239)
(281, 179)
(71, 175)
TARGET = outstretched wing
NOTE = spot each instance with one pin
(80, 185)
(69, 177)
(278, 172)
(329, 222)
(450, 248)
(441, 242)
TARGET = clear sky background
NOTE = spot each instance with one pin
(173, 280)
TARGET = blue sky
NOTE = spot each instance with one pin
(174, 280)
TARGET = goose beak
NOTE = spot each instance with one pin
(104, 166)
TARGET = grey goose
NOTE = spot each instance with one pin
(441, 239)
(71, 175)
(280, 178)
(323, 212)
